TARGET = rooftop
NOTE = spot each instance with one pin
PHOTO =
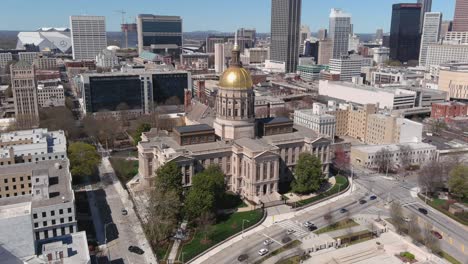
(393, 147)
(193, 128)
(60, 190)
(15, 210)
(275, 120)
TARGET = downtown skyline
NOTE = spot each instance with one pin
(204, 14)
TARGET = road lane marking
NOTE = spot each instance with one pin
(272, 239)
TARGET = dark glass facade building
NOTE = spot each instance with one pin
(112, 93)
(404, 33)
(160, 34)
(168, 87)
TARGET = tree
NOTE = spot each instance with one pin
(341, 159)
(396, 213)
(207, 192)
(169, 178)
(143, 127)
(205, 224)
(431, 241)
(458, 181)
(430, 177)
(163, 212)
(308, 176)
(405, 156)
(59, 118)
(414, 231)
(328, 217)
(105, 128)
(437, 126)
(383, 160)
(84, 159)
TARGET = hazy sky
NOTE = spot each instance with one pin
(222, 15)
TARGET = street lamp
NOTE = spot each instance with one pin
(243, 221)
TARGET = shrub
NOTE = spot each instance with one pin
(407, 256)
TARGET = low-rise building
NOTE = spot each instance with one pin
(453, 79)
(5, 58)
(198, 61)
(387, 129)
(369, 156)
(395, 76)
(381, 55)
(28, 56)
(310, 73)
(50, 94)
(389, 98)
(107, 58)
(257, 55)
(30, 146)
(45, 63)
(449, 109)
(349, 66)
(320, 122)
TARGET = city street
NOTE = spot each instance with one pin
(455, 236)
(251, 244)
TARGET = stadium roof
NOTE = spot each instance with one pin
(46, 40)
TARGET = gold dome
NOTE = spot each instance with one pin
(236, 77)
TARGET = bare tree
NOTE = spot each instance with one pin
(414, 231)
(430, 240)
(405, 156)
(396, 212)
(205, 224)
(341, 159)
(431, 176)
(384, 160)
(328, 217)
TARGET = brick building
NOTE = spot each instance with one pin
(449, 109)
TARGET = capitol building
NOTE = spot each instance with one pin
(256, 155)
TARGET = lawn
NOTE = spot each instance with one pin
(124, 169)
(347, 223)
(226, 226)
(341, 184)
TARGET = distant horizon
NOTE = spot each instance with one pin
(367, 15)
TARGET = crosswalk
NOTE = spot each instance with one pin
(289, 224)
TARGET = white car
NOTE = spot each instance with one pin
(406, 219)
(267, 242)
(263, 252)
(307, 223)
(290, 231)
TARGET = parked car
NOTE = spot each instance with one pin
(267, 242)
(362, 201)
(263, 251)
(422, 210)
(124, 212)
(136, 250)
(290, 231)
(343, 210)
(373, 197)
(436, 234)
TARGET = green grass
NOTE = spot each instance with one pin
(124, 169)
(449, 258)
(341, 184)
(225, 227)
(438, 204)
(163, 251)
(347, 223)
(232, 201)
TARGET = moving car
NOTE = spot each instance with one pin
(312, 227)
(124, 212)
(307, 223)
(373, 197)
(136, 250)
(290, 231)
(422, 211)
(267, 242)
(362, 201)
(436, 234)
(263, 251)
(343, 210)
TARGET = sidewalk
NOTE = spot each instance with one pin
(269, 221)
(137, 226)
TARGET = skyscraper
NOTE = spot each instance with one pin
(444, 28)
(460, 19)
(88, 36)
(23, 85)
(340, 28)
(430, 34)
(404, 32)
(248, 33)
(322, 34)
(379, 34)
(220, 59)
(285, 25)
(160, 34)
(304, 35)
(426, 6)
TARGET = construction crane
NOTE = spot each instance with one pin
(124, 26)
